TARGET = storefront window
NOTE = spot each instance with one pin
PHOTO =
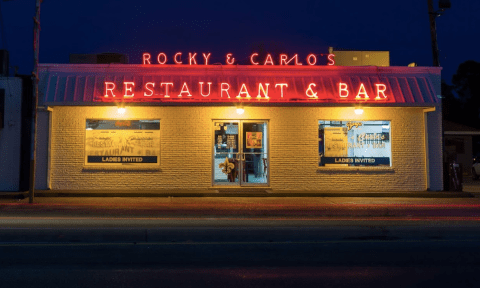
(122, 142)
(354, 143)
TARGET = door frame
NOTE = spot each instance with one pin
(241, 183)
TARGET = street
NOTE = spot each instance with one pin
(333, 253)
(240, 242)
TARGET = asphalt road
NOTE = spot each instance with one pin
(346, 263)
(304, 242)
(334, 254)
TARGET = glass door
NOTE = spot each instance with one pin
(254, 153)
(240, 154)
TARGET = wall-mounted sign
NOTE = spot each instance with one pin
(203, 58)
(66, 84)
(272, 91)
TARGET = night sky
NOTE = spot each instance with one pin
(221, 27)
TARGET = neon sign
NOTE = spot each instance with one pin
(224, 91)
(284, 59)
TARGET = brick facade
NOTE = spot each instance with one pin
(187, 141)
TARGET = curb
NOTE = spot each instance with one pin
(216, 193)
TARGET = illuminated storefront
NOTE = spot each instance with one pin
(291, 126)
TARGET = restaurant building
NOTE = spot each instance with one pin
(291, 125)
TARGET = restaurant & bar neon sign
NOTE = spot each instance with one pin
(187, 80)
(223, 92)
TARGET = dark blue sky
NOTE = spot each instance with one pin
(221, 27)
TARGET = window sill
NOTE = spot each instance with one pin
(356, 170)
(129, 168)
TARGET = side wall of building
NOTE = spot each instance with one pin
(187, 147)
(435, 149)
(10, 135)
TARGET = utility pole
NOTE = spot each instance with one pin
(433, 32)
(442, 5)
(36, 42)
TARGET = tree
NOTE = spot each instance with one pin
(451, 106)
(466, 83)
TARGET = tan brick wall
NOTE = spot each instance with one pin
(186, 149)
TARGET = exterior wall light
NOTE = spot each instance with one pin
(358, 111)
(121, 110)
(240, 110)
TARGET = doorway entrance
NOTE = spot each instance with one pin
(240, 153)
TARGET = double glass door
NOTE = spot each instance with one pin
(240, 153)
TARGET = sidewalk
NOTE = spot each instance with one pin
(252, 192)
(145, 207)
(164, 219)
(238, 203)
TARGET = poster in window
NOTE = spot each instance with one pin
(354, 143)
(231, 142)
(254, 140)
(111, 142)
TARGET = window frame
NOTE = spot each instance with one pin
(121, 166)
(359, 166)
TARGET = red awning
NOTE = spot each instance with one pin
(94, 84)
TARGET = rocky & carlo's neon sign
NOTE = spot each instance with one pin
(219, 88)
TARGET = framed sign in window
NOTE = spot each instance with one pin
(354, 143)
(122, 142)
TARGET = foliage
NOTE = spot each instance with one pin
(465, 108)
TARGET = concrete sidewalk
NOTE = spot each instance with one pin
(204, 207)
(174, 219)
(252, 192)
